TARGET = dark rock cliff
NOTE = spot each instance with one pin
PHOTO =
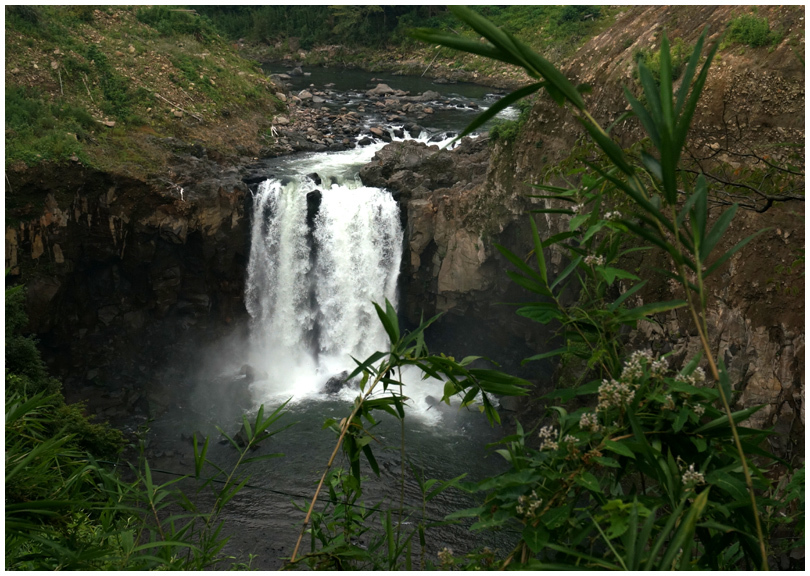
(117, 269)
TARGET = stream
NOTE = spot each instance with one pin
(323, 248)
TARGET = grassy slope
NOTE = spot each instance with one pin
(93, 85)
(555, 31)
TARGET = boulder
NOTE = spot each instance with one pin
(380, 90)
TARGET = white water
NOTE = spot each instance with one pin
(310, 292)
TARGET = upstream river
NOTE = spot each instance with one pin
(323, 248)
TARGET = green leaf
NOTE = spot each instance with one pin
(361, 367)
(371, 460)
(536, 537)
(721, 422)
(464, 45)
(618, 302)
(608, 146)
(619, 448)
(545, 355)
(578, 221)
(391, 328)
(538, 252)
(689, 73)
(652, 308)
(610, 274)
(717, 263)
(542, 312)
(518, 262)
(568, 269)
(717, 232)
(681, 419)
(644, 117)
(529, 285)
(500, 105)
(589, 481)
(652, 165)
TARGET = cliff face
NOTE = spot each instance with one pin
(117, 267)
(753, 102)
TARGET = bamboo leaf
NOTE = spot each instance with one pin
(500, 105)
(689, 73)
(538, 252)
(518, 262)
(568, 269)
(652, 165)
(644, 117)
(464, 45)
(618, 302)
(391, 328)
(608, 146)
(719, 262)
(545, 355)
(717, 232)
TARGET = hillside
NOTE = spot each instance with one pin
(108, 86)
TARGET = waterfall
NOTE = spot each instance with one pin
(319, 257)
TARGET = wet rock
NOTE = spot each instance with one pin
(336, 383)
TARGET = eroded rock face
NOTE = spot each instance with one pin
(117, 269)
(450, 264)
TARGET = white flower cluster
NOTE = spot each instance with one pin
(669, 403)
(590, 421)
(528, 505)
(614, 394)
(691, 477)
(578, 208)
(445, 555)
(613, 215)
(695, 378)
(571, 441)
(598, 260)
(633, 368)
(548, 435)
(698, 409)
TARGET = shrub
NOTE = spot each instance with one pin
(752, 31)
(174, 22)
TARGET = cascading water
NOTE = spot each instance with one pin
(320, 255)
(323, 248)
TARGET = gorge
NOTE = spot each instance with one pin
(239, 270)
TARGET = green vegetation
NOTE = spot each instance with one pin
(753, 31)
(679, 55)
(555, 28)
(175, 22)
(68, 510)
(508, 130)
(656, 470)
(72, 68)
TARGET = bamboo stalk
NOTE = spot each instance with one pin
(84, 79)
(196, 116)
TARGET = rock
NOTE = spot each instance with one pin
(313, 205)
(177, 113)
(281, 120)
(305, 95)
(281, 96)
(131, 49)
(380, 90)
(336, 383)
(109, 123)
(296, 71)
(315, 178)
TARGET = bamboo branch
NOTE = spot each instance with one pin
(196, 116)
(84, 79)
